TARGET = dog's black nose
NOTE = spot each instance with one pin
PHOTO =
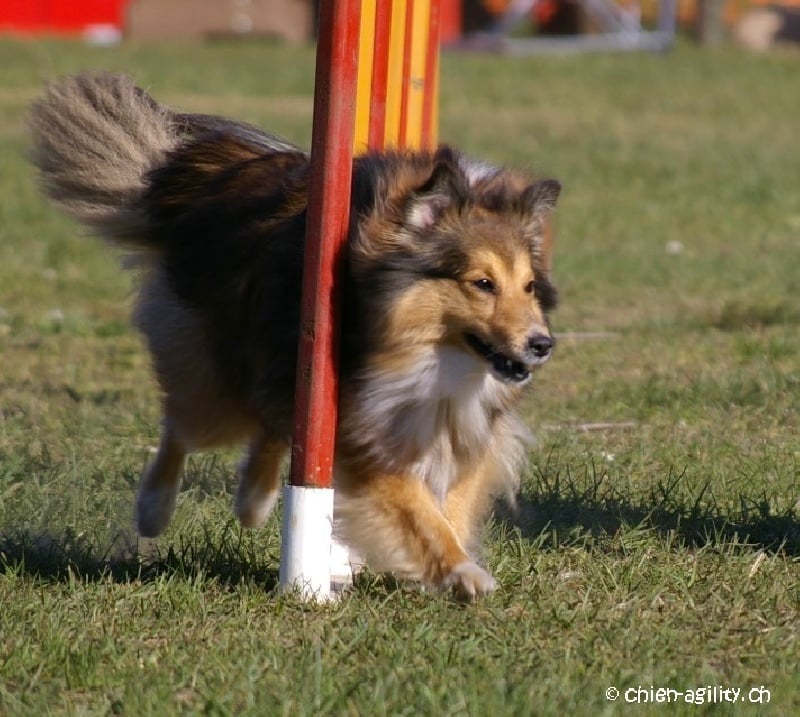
(540, 345)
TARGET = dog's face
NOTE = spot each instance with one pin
(497, 293)
(499, 310)
(465, 262)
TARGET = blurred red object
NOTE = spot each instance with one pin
(67, 17)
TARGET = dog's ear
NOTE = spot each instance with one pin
(538, 202)
(445, 187)
(541, 197)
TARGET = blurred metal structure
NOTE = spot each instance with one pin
(620, 26)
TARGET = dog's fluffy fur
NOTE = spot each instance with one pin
(446, 296)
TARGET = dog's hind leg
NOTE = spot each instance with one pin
(158, 491)
(259, 481)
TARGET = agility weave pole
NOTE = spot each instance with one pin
(384, 98)
(398, 78)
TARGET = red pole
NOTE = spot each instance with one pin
(326, 234)
(380, 76)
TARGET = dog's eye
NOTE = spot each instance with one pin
(530, 286)
(485, 285)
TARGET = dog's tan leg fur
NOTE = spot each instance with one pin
(466, 506)
(158, 490)
(259, 482)
(400, 527)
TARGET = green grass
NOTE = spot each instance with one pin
(660, 549)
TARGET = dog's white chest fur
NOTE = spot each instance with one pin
(431, 419)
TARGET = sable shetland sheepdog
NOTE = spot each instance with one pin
(446, 304)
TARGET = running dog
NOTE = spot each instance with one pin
(446, 295)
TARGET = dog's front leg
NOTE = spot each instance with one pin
(469, 501)
(396, 523)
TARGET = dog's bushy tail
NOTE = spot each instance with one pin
(95, 139)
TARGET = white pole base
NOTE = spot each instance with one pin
(312, 562)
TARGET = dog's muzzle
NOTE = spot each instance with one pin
(503, 366)
(540, 346)
(510, 369)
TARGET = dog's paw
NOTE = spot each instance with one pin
(253, 508)
(154, 509)
(468, 581)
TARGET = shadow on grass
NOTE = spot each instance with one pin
(229, 561)
(558, 509)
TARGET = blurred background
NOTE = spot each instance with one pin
(756, 24)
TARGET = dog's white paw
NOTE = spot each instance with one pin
(469, 581)
(253, 507)
(154, 509)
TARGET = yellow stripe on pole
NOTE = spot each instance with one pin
(366, 53)
(433, 77)
(394, 91)
(407, 116)
(420, 20)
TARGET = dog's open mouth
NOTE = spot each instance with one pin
(504, 367)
